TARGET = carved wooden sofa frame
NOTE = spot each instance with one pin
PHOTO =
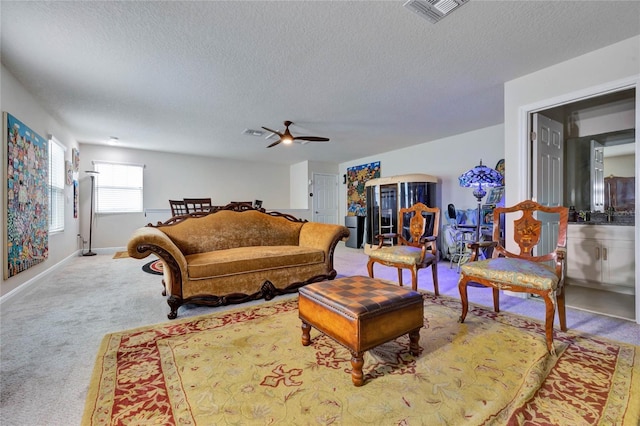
(204, 254)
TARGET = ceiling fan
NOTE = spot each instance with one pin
(287, 138)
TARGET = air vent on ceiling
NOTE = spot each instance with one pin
(433, 10)
(253, 132)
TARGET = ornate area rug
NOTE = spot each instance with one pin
(248, 366)
(153, 267)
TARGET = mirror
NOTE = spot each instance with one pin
(601, 171)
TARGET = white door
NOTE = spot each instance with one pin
(325, 198)
(548, 172)
(596, 166)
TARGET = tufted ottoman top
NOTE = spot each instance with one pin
(359, 296)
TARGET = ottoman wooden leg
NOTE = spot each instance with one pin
(414, 342)
(357, 361)
(306, 338)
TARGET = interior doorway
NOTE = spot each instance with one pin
(325, 198)
(604, 122)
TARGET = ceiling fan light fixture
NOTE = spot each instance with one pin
(287, 138)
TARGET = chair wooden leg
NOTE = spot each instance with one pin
(434, 273)
(548, 323)
(414, 279)
(496, 300)
(462, 287)
(400, 276)
(562, 315)
(370, 267)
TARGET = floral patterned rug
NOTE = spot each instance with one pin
(247, 366)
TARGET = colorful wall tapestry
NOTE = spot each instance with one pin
(27, 201)
(356, 178)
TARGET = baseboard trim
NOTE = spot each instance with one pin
(28, 283)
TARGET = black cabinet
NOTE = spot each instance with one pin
(355, 224)
(385, 196)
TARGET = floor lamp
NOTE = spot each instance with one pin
(92, 174)
(476, 178)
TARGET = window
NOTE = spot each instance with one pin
(56, 185)
(118, 187)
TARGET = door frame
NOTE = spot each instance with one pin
(524, 162)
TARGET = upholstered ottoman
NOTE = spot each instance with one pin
(361, 313)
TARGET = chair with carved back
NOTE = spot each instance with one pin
(541, 273)
(198, 204)
(416, 246)
(178, 207)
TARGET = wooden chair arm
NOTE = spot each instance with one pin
(427, 239)
(477, 245)
(382, 237)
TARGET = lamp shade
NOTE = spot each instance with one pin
(480, 175)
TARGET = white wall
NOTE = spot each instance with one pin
(175, 176)
(299, 176)
(18, 102)
(445, 159)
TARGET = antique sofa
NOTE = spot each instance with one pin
(236, 254)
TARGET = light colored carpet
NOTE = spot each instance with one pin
(50, 331)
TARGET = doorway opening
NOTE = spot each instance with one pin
(598, 178)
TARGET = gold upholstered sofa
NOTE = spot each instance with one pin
(237, 253)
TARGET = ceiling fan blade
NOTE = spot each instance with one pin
(272, 131)
(311, 138)
(275, 143)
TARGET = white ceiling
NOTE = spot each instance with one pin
(189, 77)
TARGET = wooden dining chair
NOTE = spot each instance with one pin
(178, 207)
(541, 273)
(198, 204)
(416, 246)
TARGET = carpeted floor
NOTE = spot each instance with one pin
(248, 366)
(51, 330)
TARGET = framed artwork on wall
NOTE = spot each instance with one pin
(355, 179)
(26, 205)
(68, 172)
(75, 159)
(76, 197)
(500, 169)
(495, 195)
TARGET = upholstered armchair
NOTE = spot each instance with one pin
(416, 247)
(531, 270)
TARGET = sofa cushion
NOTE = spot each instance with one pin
(241, 260)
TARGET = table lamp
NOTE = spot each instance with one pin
(476, 178)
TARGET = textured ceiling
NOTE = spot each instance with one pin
(189, 77)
